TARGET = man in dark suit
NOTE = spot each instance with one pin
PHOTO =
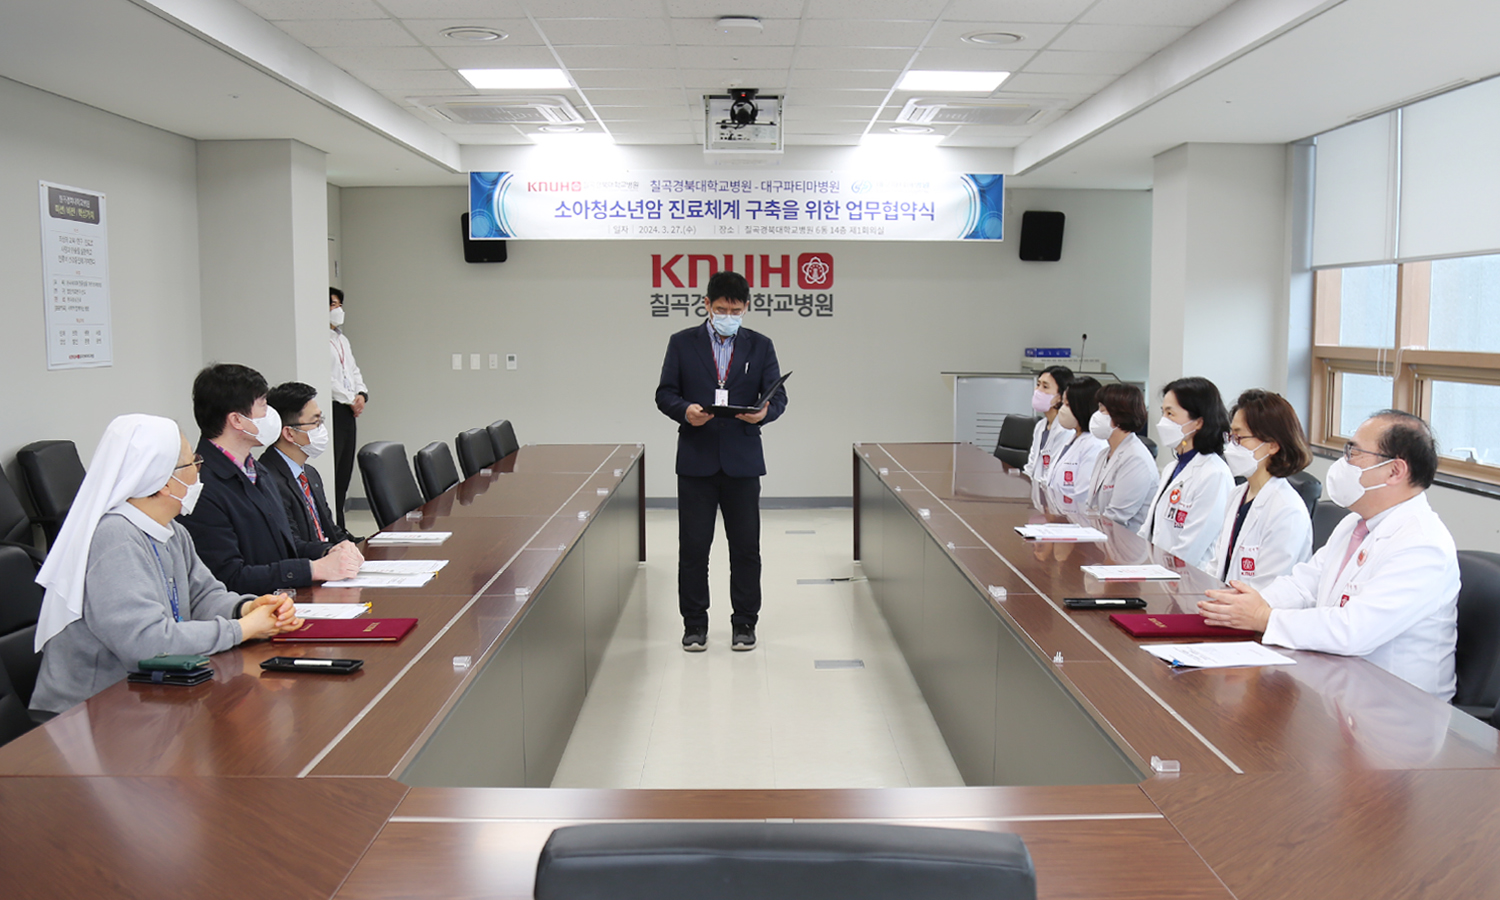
(719, 458)
(287, 464)
(238, 526)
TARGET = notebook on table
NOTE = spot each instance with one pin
(343, 631)
(1176, 625)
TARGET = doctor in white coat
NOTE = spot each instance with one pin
(1193, 492)
(1385, 586)
(1267, 528)
(1069, 477)
(1047, 440)
(1125, 476)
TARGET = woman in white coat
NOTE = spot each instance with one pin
(1046, 440)
(1068, 477)
(1124, 478)
(1192, 493)
(1267, 529)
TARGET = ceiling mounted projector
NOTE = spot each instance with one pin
(742, 121)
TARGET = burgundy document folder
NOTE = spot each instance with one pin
(341, 631)
(1177, 625)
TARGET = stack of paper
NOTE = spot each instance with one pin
(402, 566)
(376, 580)
(408, 538)
(331, 610)
(1060, 532)
(1131, 573)
(1218, 654)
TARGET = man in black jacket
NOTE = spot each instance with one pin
(238, 526)
(288, 464)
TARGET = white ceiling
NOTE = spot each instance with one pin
(1128, 78)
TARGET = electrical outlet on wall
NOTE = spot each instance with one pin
(494, 360)
(474, 361)
(458, 362)
(510, 360)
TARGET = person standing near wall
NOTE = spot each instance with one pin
(349, 396)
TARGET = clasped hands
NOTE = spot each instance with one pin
(1237, 606)
(267, 616)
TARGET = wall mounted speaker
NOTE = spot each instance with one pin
(1041, 236)
(486, 251)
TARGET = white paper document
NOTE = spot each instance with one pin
(331, 610)
(1218, 654)
(1131, 573)
(408, 538)
(1060, 532)
(402, 566)
(382, 581)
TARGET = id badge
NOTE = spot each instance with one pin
(721, 397)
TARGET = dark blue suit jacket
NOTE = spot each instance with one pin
(688, 376)
(272, 465)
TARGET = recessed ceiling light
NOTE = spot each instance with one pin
(561, 129)
(993, 38)
(477, 33)
(738, 25)
(958, 82)
(911, 129)
(516, 79)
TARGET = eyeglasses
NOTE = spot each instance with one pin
(197, 463)
(313, 424)
(1350, 450)
(1238, 441)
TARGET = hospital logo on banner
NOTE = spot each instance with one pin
(779, 283)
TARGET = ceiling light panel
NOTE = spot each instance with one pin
(357, 33)
(951, 82)
(516, 79)
(966, 58)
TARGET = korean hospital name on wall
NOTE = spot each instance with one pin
(780, 284)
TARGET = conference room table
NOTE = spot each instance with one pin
(424, 774)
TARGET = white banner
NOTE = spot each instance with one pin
(651, 205)
(75, 278)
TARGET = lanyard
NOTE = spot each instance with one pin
(171, 583)
(724, 372)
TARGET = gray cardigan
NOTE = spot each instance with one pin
(127, 614)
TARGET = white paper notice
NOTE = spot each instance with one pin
(331, 610)
(409, 538)
(381, 581)
(1218, 655)
(402, 566)
(75, 278)
(1060, 532)
(1131, 573)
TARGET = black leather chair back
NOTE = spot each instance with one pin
(20, 605)
(14, 720)
(388, 483)
(435, 469)
(1477, 658)
(53, 475)
(1308, 488)
(503, 437)
(15, 525)
(1326, 516)
(1014, 444)
(475, 450)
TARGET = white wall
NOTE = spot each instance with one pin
(578, 316)
(149, 177)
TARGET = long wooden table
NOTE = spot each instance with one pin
(1326, 779)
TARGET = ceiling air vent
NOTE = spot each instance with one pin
(501, 110)
(949, 111)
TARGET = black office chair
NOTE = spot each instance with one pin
(1308, 488)
(503, 436)
(1014, 444)
(53, 473)
(1146, 439)
(20, 605)
(1326, 516)
(388, 483)
(15, 525)
(1477, 657)
(475, 450)
(14, 720)
(435, 469)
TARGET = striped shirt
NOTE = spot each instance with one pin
(723, 348)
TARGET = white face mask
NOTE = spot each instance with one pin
(317, 442)
(1101, 425)
(1342, 481)
(1065, 418)
(1171, 433)
(1242, 461)
(1041, 401)
(190, 499)
(336, 316)
(267, 427)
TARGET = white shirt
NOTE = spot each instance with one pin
(1039, 460)
(1276, 536)
(1395, 603)
(347, 382)
(1187, 510)
(1123, 483)
(1068, 478)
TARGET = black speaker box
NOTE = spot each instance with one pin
(1041, 236)
(481, 251)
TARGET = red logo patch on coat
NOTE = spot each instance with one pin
(1343, 600)
(1360, 559)
(1068, 476)
(1181, 516)
(1046, 459)
(1247, 565)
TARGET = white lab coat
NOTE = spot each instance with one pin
(1068, 476)
(1123, 483)
(1039, 460)
(1395, 603)
(1277, 535)
(1186, 511)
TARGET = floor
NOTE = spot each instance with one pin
(657, 717)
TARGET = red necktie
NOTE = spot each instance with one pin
(1358, 537)
(311, 507)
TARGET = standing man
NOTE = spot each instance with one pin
(719, 458)
(1385, 586)
(349, 396)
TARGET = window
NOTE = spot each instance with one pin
(1422, 337)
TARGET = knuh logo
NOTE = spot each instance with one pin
(815, 269)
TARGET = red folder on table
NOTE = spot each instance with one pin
(343, 631)
(1177, 625)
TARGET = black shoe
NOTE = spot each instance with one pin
(744, 638)
(696, 641)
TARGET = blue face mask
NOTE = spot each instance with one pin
(726, 325)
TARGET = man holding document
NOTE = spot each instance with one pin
(719, 454)
(1385, 586)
